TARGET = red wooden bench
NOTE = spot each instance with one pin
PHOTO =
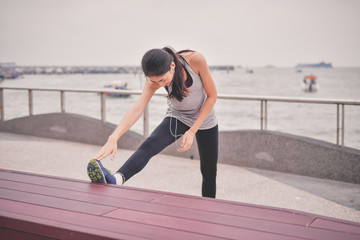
(34, 206)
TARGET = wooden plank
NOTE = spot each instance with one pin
(54, 229)
(86, 197)
(258, 212)
(84, 223)
(216, 230)
(54, 202)
(10, 234)
(336, 225)
(244, 229)
(78, 185)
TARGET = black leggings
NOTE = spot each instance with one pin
(161, 137)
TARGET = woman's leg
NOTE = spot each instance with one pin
(160, 138)
(207, 141)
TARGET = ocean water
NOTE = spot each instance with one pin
(311, 120)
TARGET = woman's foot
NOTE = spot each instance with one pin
(98, 173)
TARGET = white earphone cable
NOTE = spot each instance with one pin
(170, 112)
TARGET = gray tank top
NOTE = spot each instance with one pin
(188, 110)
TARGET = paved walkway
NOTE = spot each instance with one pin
(173, 174)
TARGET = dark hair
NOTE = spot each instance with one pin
(156, 62)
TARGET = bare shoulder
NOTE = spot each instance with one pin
(196, 61)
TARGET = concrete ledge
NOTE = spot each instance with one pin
(247, 148)
(291, 154)
(70, 127)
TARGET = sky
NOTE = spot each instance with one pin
(252, 33)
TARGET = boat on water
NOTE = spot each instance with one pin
(9, 71)
(5, 74)
(249, 71)
(314, 65)
(310, 83)
(118, 87)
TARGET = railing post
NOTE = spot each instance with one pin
(265, 114)
(337, 123)
(2, 104)
(343, 125)
(31, 102)
(146, 121)
(103, 107)
(261, 115)
(340, 124)
(62, 100)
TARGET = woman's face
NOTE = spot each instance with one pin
(165, 79)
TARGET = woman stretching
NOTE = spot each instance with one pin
(191, 97)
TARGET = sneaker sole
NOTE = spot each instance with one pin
(95, 173)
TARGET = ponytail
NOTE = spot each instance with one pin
(178, 88)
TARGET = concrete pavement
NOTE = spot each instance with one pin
(173, 174)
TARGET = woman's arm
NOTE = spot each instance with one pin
(198, 63)
(129, 119)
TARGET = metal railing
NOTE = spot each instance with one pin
(264, 100)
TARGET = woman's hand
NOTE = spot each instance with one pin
(109, 148)
(186, 141)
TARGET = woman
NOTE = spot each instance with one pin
(191, 97)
